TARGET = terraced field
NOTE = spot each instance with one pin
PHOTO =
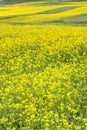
(43, 66)
(44, 13)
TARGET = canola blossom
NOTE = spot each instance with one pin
(43, 75)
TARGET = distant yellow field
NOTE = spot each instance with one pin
(42, 13)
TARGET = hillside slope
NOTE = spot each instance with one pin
(21, 1)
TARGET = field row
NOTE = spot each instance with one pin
(40, 13)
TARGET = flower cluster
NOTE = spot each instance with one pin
(43, 77)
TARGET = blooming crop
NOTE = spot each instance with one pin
(43, 77)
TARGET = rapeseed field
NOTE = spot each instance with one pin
(43, 67)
